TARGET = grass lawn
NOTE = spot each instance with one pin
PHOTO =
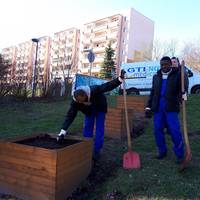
(155, 180)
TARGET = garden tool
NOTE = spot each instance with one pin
(131, 159)
(188, 155)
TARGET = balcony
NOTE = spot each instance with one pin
(84, 70)
(113, 24)
(99, 39)
(86, 41)
(98, 60)
(113, 35)
(98, 49)
(85, 61)
(98, 28)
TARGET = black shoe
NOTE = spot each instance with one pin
(161, 156)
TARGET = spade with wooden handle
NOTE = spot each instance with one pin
(188, 154)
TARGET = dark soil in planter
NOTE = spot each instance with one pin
(47, 142)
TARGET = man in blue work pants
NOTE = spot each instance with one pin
(89, 127)
(91, 101)
(164, 102)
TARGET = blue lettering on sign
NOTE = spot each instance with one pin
(136, 69)
(154, 68)
(137, 72)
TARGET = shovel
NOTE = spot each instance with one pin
(131, 159)
(188, 155)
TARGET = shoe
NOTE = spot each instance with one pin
(161, 156)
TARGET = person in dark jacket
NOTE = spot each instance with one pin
(91, 101)
(164, 102)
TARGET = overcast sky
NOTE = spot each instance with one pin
(22, 20)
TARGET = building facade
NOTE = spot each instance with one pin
(130, 34)
(65, 53)
(9, 56)
(96, 36)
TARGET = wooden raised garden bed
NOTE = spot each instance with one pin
(38, 168)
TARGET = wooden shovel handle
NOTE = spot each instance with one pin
(185, 131)
(126, 117)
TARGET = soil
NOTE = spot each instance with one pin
(47, 142)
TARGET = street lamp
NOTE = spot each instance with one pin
(34, 84)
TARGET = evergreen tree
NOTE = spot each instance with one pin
(108, 65)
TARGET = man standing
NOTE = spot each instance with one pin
(164, 102)
(91, 101)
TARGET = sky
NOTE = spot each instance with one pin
(21, 20)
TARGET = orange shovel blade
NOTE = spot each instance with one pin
(131, 160)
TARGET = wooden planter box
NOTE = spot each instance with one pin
(136, 103)
(115, 125)
(35, 173)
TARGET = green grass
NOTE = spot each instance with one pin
(32, 118)
(155, 180)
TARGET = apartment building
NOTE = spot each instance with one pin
(96, 36)
(130, 34)
(9, 56)
(65, 56)
(24, 63)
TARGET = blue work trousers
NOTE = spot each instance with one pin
(161, 118)
(89, 129)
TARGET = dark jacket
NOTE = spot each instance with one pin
(97, 99)
(173, 93)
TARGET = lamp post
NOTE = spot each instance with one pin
(34, 84)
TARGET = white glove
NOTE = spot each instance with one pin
(184, 97)
(61, 135)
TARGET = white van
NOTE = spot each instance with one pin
(139, 77)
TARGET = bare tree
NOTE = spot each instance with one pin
(164, 48)
(191, 54)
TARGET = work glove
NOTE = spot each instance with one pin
(122, 74)
(61, 135)
(148, 112)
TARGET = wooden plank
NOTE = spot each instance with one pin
(45, 160)
(27, 177)
(30, 170)
(31, 164)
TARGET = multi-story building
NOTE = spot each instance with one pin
(137, 37)
(9, 56)
(65, 56)
(130, 34)
(21, 63)
(24, 63)
(96, 36)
